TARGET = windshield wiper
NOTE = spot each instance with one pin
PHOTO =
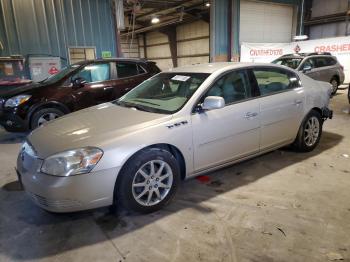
(131, 105)
(145, 102)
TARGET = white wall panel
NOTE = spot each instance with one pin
(158, 51)
(195, 29)
(265, 22)
(193, 47)
(155, 38)
(164, 64)
(192, 60)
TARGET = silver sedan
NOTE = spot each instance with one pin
(178, 124)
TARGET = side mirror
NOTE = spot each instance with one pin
(78, 82)
(213, 102)
(307, 68)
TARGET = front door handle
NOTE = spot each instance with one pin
(298, 102)
(249, 115)
(107, 87)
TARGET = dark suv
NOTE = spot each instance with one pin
(78, 86)
(319, 66)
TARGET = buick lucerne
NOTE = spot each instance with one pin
(178, 124)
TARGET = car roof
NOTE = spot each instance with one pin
(213, 67)
(304, 55)
(140, 60)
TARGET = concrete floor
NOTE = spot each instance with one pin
(283, 206)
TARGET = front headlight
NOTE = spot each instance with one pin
(17, 100)
(72, 162)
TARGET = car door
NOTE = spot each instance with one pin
(281, 102)
(323, 68)
(229, 133)
(98, 85)
(312, 71)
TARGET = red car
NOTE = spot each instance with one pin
(78, 86)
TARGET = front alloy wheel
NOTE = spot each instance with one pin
(148, 181)
(152, 183)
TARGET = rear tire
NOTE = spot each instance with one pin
(143, 188)
(44, 115)
(335, 84)
(309, 133)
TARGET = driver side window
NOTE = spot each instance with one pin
(233, 87)
(94, 73)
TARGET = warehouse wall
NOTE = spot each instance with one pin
(192, 45)
(51, 26)
(324, 8)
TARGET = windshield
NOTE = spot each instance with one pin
(291, 62)
(56, 77)
(164, 93)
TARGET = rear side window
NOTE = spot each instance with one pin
(273, 80)
(330, 61)
(321, 61)
(153, 67)
(126, 69)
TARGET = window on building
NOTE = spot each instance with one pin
(77, 54)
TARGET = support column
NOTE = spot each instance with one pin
(224, 30)
(170, 32)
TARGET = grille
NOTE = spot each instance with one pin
(49, 203)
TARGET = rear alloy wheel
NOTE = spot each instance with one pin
(45, 115)
(335, 84)
(148, 181)
(309, 133)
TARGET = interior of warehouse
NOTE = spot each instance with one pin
(180, 130)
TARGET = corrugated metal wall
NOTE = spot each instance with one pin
(51, 26)
(324, 8)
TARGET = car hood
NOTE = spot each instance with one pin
(10, 91)
(95, 126)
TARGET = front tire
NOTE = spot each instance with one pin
(309, 133)
(42, 116)
(148, 181)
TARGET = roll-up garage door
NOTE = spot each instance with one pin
(265, 22)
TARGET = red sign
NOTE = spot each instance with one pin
(53, 70)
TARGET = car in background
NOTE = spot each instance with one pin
(77, 86)
(319, 66)
(178, 124)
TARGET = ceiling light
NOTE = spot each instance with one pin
(155, 20)
(207, 4)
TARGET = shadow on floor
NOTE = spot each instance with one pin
(11, 138)
(21, 222)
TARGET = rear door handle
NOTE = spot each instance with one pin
(107, 87)
(250, 115)
(298, 102)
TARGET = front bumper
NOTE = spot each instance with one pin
(66, 194)
(12, 122)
